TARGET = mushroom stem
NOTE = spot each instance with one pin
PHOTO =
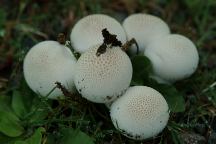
(129, 43)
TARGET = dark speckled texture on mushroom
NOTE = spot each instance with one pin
(105, 77)
(140, 113)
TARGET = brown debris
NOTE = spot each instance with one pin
(109, 39)
(76, 98)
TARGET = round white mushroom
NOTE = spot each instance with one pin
(140, 113)
(103, 78)
(144, 28)
(87, 31)
(46, 63)
(174, 57)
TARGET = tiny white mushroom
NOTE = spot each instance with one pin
(103, 78)
(87, 31)
(144, 28)
(174, 57)
(46, 63)
(140, 113)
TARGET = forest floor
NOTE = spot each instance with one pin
(26, 118)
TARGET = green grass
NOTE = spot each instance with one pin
(33, 119)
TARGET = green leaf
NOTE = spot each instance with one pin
(28, 95)
(20, 142)
(175, 137)
(174, 99)
(38, 112)
(9, 124)
(5, 102)
(71, 136)
(2, 18)
(36, 138)
(196, 7)
(52, 138)
(141, 69)
(18, 104)
(6, 139)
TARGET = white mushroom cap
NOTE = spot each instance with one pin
(144, 28)
(173, 57)
(140, 113)
(103, 78)
(46, 63)
(87, 31)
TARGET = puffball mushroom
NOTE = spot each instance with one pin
(87, 32)
(103, 78)
(46, 63)
(144, 28)
(173, 57)
(140, 113)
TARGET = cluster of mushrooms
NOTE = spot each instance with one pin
(103, 72)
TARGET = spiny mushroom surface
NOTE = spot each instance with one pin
(46, 63)
(144, 28)
(102, 78)
(174, 57)
(140, 113)
(104, 72)
(87, 32)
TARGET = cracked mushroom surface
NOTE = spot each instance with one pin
(46, 63)
(87, 31)
(140, 113)
(144, 28)
(173, 57)
(103, 78)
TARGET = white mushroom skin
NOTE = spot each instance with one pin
(46, 63)
(144, 28)
(103, 78)
(140, 113)
(173, 57)
(87, 32)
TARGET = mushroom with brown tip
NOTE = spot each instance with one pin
(87, 32)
